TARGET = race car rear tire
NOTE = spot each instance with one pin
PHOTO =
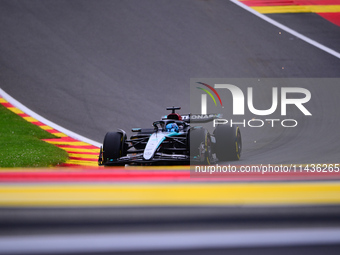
(114, 146)
(228, 142)
(200, 138)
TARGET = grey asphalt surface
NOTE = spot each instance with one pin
(94, 66)
(311, 25)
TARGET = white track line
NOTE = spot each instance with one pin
(84, 139)
(29, 112)
(287, 29)
(118, 242)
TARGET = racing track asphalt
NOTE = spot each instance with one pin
(94, 66)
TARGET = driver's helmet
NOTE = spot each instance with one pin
(172, 127)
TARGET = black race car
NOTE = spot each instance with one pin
(173, 140)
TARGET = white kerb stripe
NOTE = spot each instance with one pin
(287, 29)
(36, 116)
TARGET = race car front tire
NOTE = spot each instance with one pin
(200, 146)
(113, 147)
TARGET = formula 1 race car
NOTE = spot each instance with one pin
(172, 140)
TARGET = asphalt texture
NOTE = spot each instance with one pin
(95, 66)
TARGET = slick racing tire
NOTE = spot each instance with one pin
(228, 143)
(200, 146)
(113, 146)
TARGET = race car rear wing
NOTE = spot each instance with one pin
(199, 118)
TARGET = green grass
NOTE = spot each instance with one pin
(20, 144)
